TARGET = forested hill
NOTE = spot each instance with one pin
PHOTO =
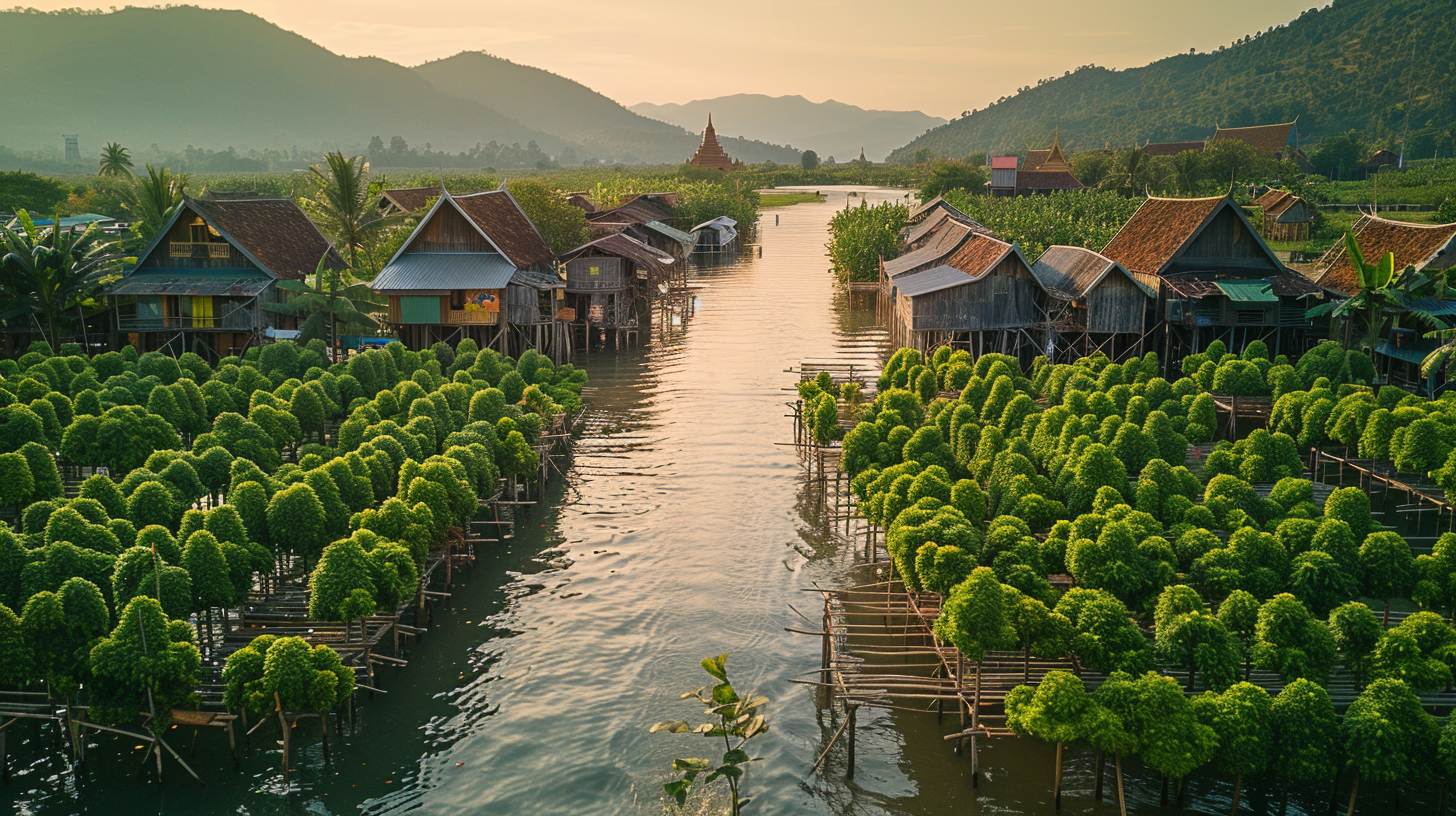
(575, 112)
(1352, 65)
(214, 79)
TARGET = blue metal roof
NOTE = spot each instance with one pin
(440, 271)
(931, 280)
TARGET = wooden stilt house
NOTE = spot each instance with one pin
(607, 285)
(1286, 216)
(476, 267)
(204, 282)
(1217, 278)
(982, 297)
(1109, 309)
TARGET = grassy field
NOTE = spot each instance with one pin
(766, 200)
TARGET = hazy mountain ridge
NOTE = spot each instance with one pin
(1349, 66)
(213, 78)
(828, 128)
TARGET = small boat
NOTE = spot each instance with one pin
(718, 235)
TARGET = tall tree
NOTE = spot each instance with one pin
(976, 621)
(49, 274)
(1241, 717)
(154, 197)
(1057, 710)
(343, 207)
(1306, 736)
(1388, 735)
(115, 161)
(333, 298)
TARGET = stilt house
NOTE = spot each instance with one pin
(1286, 216)
(1108, 308)
(475, 267)
(1217, 278)
(608, 281)
(982, 296)
(205, 280)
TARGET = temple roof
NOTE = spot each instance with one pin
(711, 154)
(1412, 244)
(1268, 138)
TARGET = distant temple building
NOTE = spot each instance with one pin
(1043, 171)
(711, 154)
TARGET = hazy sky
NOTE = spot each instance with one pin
(939, 56)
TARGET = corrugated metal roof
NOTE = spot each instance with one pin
(671, 232)
(931, 280)
(1435, 307)
(1248, 291)
(537, 280)
(436, 271)
(239, 283)
(1409, 355)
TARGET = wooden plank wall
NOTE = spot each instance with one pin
(1005, 298)
(1116, 305)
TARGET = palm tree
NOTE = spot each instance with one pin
(46, 272)
(154, 198)
(342, 205)
(1187, 169)
(115, 161)
(334, 298)
(1131, 173)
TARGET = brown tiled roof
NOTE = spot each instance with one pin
(581, 202)
(978, 255)
(1047, 180)
(1277, 202)
(501, 219)
(1073, 271)
(411, 199)
(1035, 159)
(1159, 228)
(1412, 244)
(273, 230)
(1172, 148)
(627, 247)
(1268, 138)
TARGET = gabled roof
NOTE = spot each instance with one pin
(1415, 245)
(1162, 227)
(979, 255)
(504, 223)
(411, 199)
(1173, 148)
(273, 233)
(948, 213)
(931, 280)
(944, 240)
(1034, 159)
(638, 210)
(1276, 203)
(1075, 271)
(1267, 138)
(623, 246)
(937, 203)
(1047, 180)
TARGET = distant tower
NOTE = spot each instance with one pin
(711, 154)
(73, 147)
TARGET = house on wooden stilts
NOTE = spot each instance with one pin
(983, 297)
(476, 267)
(929, 249)
(205, 282)
(1109, 309)
(608, 281)
(1217, 278)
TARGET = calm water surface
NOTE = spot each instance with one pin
(684, 531)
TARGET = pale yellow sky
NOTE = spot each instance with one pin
(939, 56)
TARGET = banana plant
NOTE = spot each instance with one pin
(1383, 293)
(331, 299)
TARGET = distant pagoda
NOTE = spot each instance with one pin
(711, 154)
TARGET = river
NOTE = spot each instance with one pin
(681, 533)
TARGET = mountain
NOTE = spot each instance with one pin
(828, 128)
(574, 112)
(185, 76)
(1351, 65)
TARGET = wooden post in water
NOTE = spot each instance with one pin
(849, 729)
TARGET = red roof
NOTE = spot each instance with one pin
(1412, 244)
(1003, 162)
(502, 220)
